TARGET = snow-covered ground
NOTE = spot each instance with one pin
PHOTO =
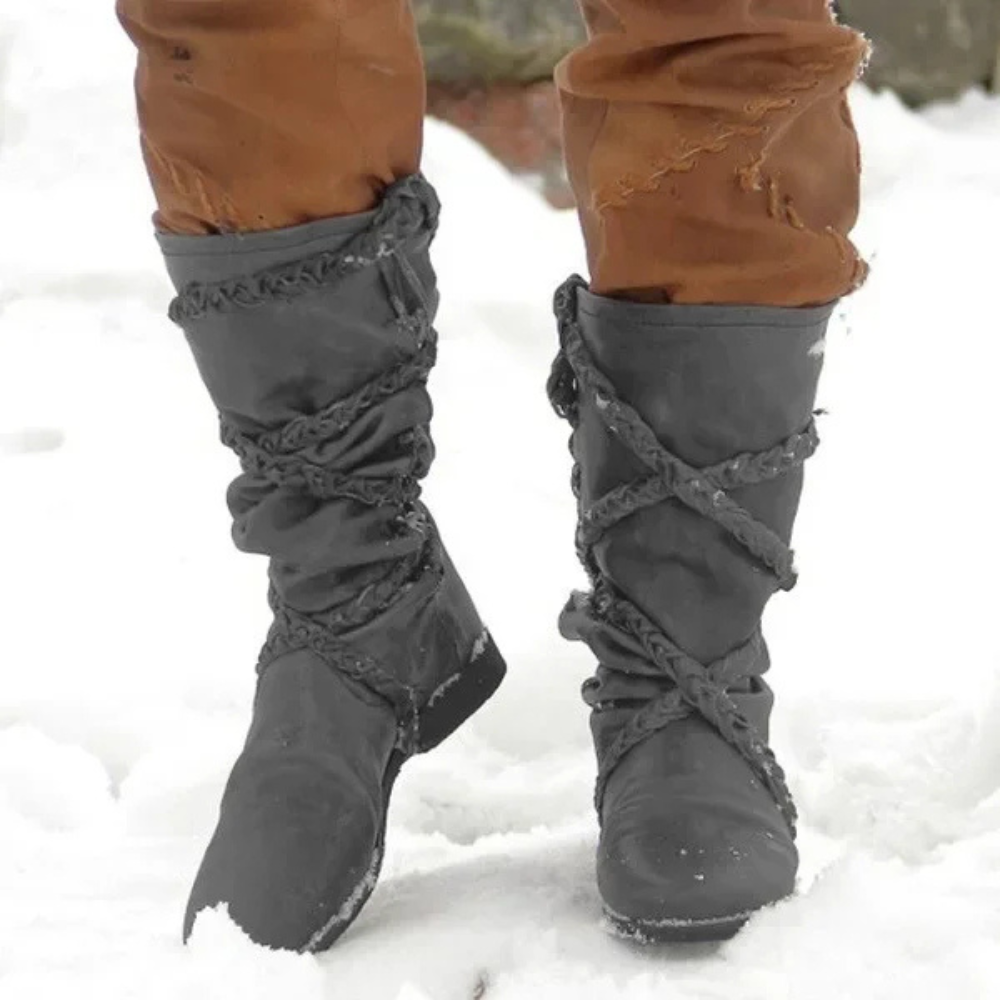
(130, 627)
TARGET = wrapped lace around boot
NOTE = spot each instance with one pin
(691, 425)
(315, 344)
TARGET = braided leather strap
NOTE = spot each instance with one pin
(696, 688)
(294, 455)
(409, 207)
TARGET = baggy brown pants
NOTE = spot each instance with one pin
(708, 142)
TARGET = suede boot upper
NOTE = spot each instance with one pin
(316, 344)
(691, 425)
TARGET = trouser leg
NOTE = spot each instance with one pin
(257, 114)
(712, 151)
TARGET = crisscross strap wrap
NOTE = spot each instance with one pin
(297, 455)
(694, 687)
(289, 456)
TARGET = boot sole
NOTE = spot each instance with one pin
(453, 705)
(676, 930)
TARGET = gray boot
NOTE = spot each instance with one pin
(691, 426)
(315, 343)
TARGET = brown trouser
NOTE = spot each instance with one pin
(708, 141)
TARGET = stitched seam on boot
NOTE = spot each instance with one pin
(678, 921)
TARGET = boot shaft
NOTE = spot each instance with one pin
(315, 344)
(714, 385)
(690, 428)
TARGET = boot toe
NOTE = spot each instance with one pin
(295, 853)
(690, 839)
(693, 867)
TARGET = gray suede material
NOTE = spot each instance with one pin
(713, 382)
(761, 319)
(697, 825)
(315, 344)
(218, 258)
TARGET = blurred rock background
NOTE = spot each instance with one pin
(489, 65)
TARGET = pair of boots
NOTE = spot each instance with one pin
(690, 427)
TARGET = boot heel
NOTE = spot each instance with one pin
(461, 697)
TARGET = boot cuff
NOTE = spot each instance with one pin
(218, 258)
(701, 317)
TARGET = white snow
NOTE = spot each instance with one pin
(130, 627)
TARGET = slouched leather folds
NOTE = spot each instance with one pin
(315, 344)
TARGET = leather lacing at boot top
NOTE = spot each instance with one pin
(700, 688)
(281, 455)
